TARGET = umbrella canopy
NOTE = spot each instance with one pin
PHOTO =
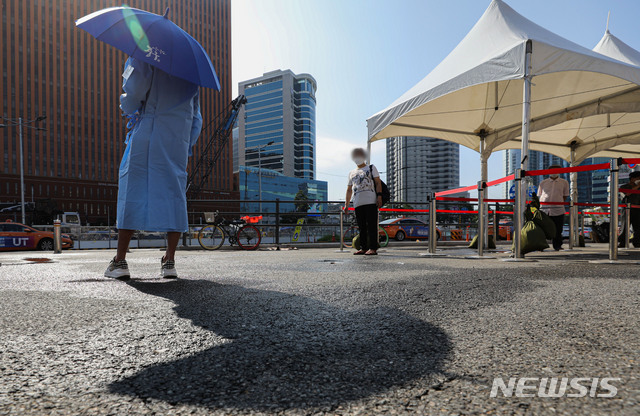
(474, 97)
(602, 135)
(153, 39)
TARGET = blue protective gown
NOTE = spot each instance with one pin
(153, 171)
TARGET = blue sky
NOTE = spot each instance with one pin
(366, 53)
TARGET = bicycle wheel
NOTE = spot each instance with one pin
(349, 235)
(383, 237)
(211, 237)
(248, 237)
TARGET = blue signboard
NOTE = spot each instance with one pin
(530, 191)
(15, 242)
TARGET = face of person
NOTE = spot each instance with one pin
(358, 158)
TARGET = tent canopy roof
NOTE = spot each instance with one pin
(602, 135)
(615, 48)
(476, 91)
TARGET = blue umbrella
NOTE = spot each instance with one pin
(153, 39)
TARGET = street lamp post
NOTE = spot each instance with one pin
(259, 150)
(20, 123)
(21, 171)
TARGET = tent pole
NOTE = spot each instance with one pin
(485, 194)
(573, 212)
(482, 209)
(368, 152)
(613, 211)
(482, 223)
(524, 153)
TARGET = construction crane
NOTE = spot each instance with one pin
(215, 146)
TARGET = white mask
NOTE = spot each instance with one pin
(359, 160)
(638, 182)
(555, 176)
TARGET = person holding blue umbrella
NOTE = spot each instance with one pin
(161, 80)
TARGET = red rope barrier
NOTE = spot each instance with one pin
(631, 161)
(457, 191)
(501, 180)
(584, 168)
(502, 201)
(629, 191)
(587, 204)
(403, 210)
(448, 198)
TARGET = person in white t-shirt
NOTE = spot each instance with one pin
(366, 189)
(554, 189)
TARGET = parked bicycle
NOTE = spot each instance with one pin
(241, 232)
(353, 230)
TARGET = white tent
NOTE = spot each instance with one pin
(613, 47)
(477, 91)
(603, 135)
(481, 95)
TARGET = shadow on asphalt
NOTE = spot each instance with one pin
(286, 351)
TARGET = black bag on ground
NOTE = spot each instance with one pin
(532, 238)
(546, 223)
(600, 232)
(491, 244)
(386, 195)
(581, 241)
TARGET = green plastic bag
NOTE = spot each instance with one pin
(491, 244)
(356, 242)
(544, 222)
(532, 238)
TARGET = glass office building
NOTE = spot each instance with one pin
(277, 186)
(277, 126)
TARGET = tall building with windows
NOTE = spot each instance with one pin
(537, 161)
(52, 68)
(417, 166)
(277, 125)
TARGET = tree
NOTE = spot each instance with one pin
(302, 205)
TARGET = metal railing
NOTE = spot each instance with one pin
(280, 226)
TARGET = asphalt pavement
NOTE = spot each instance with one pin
(315, 331)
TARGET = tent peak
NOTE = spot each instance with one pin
(613, 47)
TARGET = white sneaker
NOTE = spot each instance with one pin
(118, 270)
(168, 269)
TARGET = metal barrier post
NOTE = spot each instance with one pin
(518, 212)
(481, 219)
(613, 213)
(571, 225)
(277, 224)
(57, 237)
(576, 226)
(342, 230)
(432, 224)
(496, 228)
(627, 229)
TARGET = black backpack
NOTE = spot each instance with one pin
(386, 195)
